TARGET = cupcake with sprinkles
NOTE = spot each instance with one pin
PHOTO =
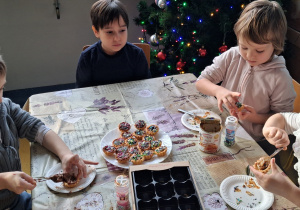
(126, 135)
(139, 134)
(109, 150)
(122, 149)
(155, 143)
(161, 151)
(144, 145)
(152, 130)
(132, 141)
(122, 157)
(118, 142)
(134, 150)
(140, 125)
(137, 159)
(124, 127)
(148, 154)
(148, 138)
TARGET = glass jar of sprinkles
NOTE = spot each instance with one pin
(122, 192)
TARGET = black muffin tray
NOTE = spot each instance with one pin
(165, 189)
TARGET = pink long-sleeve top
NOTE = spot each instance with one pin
(267, 87)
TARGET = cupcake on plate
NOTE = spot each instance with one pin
(148, 154)
(109, 150)
(132, 141)
(124, 126)
(134, 150)
(139, 134)
(148, 138)
(137, 159)
(140, 125)
(155, 143)
(118, 142)
(122, 149)
(161, 151)
(144, 145)
(152, 130)
(122, 157)
(126, 135)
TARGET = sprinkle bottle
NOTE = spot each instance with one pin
(122, 192)
(230, 127)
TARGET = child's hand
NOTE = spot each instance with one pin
(276, 136)
(73, 164)
(18, 181)
(247, 113)
(228, 98)
(276, 182)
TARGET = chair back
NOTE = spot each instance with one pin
(85, 46)
(146, 48)
(297, 99)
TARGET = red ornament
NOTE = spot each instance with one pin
(161, 56)
(202, 52)
(223, 48)
(180, 65)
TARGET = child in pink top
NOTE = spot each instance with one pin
(253, 73)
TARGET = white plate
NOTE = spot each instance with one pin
(59, 187)
(189, 122)
(113, 134)
(261, 199)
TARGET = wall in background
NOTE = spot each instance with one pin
(41, 50)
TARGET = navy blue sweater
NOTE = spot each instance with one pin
(97, 68)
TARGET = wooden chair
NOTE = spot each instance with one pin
(85, 46)
(24, 149)
(146, 48)
(143, 46)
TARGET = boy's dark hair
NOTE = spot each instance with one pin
(104, 12)
(2, 67)
(261, 22)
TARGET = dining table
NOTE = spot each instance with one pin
(83, 117)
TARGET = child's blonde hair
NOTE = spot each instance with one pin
(262, 22)
(2, 67)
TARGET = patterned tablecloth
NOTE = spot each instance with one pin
(82, 117)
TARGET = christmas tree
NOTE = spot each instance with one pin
(186, 35)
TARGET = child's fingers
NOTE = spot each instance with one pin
(273, 166)
(220, 103)
(28, 178)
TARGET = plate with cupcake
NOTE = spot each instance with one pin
(135, 144)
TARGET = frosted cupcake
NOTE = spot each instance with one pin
(161, 151)
(109, 150)
(137, 159)
(132, 141)
(126, 135)
(140, 125)
(118, 142)
(144, 145)
(139, 134)
(124, 126)
(148, 154)
(122, 157)
(155, 143)
(134, 150)
(152, 130)
(148, 138)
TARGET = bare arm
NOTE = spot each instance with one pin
(274, 132)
